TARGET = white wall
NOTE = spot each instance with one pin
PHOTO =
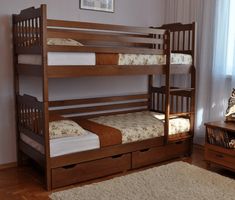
(127, 12)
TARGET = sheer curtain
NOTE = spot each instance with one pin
(214, 77)
(220, 80)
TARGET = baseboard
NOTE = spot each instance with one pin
(8, 165)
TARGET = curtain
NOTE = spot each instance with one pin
(219, 82)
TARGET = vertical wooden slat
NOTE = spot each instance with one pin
(154, 101)
(187, 104)
(189, 40)
(177, 105)
(150, 85)
(158, 99)
(182, 104)
(178, 45)
(183, 40)
(171, 103)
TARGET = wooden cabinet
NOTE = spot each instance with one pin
(217, 145)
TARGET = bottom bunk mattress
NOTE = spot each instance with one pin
(143, 125)
(66, 145)
(107, 131)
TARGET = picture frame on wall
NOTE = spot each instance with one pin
(98, 5)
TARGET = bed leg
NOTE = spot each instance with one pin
(208, 165)
(22, 159)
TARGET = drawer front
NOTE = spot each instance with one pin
(220, 158)
(147, 156)
(178, 149)
(89, 170)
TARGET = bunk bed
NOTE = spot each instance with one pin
(114, 137)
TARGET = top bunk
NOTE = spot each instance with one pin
(58, 48)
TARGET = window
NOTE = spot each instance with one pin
(231, 40)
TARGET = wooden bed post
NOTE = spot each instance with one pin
(167, 90)
(16, 88)
(193, 82)
(45, 95)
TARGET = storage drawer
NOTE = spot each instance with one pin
(147, 156)
(89, 170)
(220, 158)
(177, 149)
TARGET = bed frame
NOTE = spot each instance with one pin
(31, 28)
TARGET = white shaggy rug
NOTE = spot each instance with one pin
(175, 181)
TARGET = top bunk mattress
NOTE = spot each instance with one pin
(139, 126)
(89, 59)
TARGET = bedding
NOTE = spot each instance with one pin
(63, 42)
(65, 128)
(81, 58)
(66, 145)
(139, 126)
(141, 59)
(111, 130)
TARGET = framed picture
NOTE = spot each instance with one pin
(98, 5)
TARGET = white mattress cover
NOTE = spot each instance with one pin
(60, 58)
(66, 145)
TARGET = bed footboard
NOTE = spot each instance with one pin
(31, 124)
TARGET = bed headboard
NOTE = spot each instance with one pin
(182, 37)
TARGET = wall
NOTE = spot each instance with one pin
(131, 12)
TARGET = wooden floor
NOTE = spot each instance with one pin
(26, 184)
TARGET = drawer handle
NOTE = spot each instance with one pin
(219, 156)
(69, 166)
(144, 150)
(179, 142)
(117, 156)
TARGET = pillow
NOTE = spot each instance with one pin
(65, 128)
(63, 41)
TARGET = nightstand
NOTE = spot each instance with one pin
(217, 148)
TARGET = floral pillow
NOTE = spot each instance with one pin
(63, 41)
(65, 128)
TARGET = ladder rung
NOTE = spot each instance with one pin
(180, 114)
(181, 89)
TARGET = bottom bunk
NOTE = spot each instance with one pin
(93, 146)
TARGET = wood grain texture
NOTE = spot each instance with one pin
(215, 154)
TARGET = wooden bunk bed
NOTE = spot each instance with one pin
(31, 31)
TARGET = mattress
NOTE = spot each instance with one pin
(59, 58)
(66, 145)
(81, 58)
(139, 126)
